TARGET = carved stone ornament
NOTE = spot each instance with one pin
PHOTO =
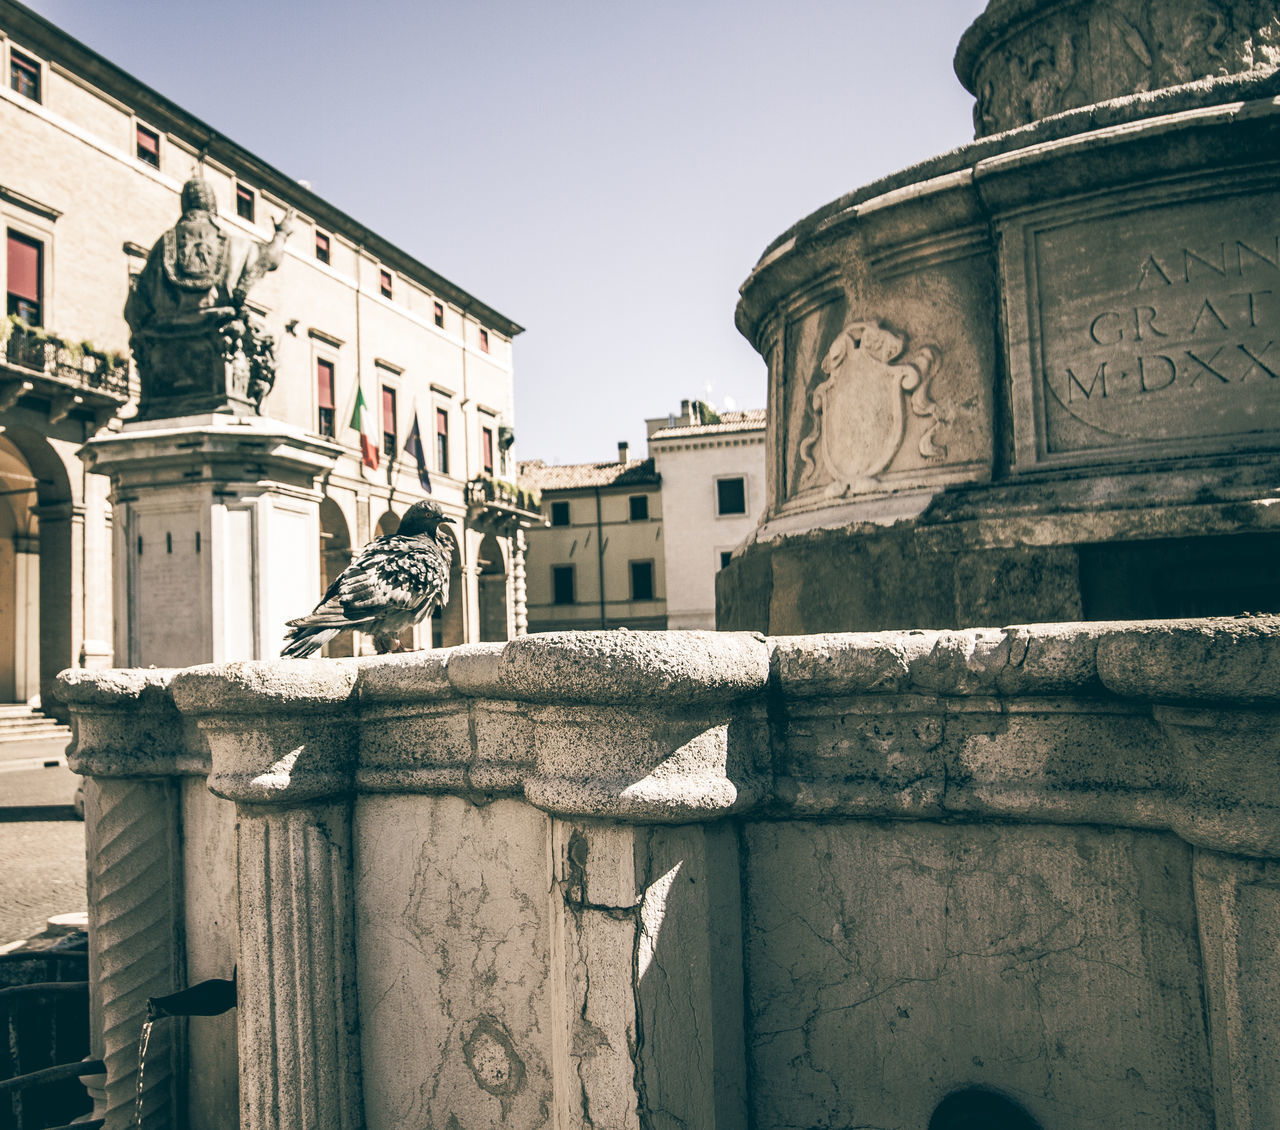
(1025, 60)
(860, 411)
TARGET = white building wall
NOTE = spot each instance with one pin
(694, 534)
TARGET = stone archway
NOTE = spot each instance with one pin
(335, 555)
(446, 623)
(41, 566)
(388, 524)
(491, 566)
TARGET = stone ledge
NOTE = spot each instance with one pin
(1172, 725)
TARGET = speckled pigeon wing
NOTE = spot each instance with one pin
(392, 575)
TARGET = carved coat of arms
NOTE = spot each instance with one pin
(859, 412)
(195, 253)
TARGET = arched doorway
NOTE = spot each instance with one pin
(38, 611)
(446, 623)
(492, 566)
(388, 524)
(335, 555)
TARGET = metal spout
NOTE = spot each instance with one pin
(208, 998)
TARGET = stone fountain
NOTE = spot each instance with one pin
(1037, 378)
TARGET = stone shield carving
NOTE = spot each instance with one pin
(860, 410)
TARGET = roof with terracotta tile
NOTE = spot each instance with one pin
(751, 420)
(576, 476)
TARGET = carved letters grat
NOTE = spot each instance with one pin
(1172, 333)
(859, 411)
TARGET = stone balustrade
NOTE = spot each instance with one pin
(698, 879)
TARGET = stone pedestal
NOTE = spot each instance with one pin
(1036, 378)
(217, 532)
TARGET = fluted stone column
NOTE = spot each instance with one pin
(519, 582)
(282, 743)
(128, 741)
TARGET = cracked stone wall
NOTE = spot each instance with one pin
(1057, 965)
(669, 880)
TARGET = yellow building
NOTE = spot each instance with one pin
(91, 166)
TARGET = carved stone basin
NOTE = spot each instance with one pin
(994, 373)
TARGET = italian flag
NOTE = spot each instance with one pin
(360, 421)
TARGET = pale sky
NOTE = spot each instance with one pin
(605, 172)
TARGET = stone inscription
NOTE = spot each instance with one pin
(1154, 330)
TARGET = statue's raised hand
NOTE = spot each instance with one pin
(285, 225)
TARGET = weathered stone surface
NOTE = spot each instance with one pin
(1051, 340)
(972, 826)
(1029, 59)
(453, 928)
(891, 964)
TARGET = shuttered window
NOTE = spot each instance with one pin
(148, 147)
(25, 278)
(389, 431)
(324, 397)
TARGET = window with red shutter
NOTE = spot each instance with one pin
(324, 397)
(384, 283)
(322, 247)
(148, 147)
(244, 203)
(439, 314)
(486, 449)
(389, 431)
(442, 441)
(484, 340)
(25, 284)
(24, 75)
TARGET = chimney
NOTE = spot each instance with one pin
(685, 415)
(623, 449)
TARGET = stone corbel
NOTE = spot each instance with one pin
(13, 393)
(61, 406)
(282, 740)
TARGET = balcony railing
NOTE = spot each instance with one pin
(71, 364)
(484, 492)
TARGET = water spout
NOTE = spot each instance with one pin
(208, 998)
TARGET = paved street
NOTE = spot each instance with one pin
(41, 844)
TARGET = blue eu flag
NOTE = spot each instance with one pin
(413, 446)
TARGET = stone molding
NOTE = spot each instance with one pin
(1025, 60)
(1069, 723)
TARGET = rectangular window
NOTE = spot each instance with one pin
(324, 397)
(438, 311)
(25, 284)
(148, 146)
(442, 441)
(484, 341)
(322, 247)
(244, 203)
(562, 584)
(559, 513)
(726, 555)
(731, 496)
(384, 283)
(486, 449)
(641, 580)
(639, 507)
(24, 75)
(389, 431)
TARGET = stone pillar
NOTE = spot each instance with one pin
(282, 747)
(218, 535)
(1238, 907)
(128, 742)
(519, 585)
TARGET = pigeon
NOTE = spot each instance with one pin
(390, 585)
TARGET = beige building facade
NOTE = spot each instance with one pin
(91, 166)
(637, 543)
(599, 562)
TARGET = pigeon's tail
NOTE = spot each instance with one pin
(303, 642)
